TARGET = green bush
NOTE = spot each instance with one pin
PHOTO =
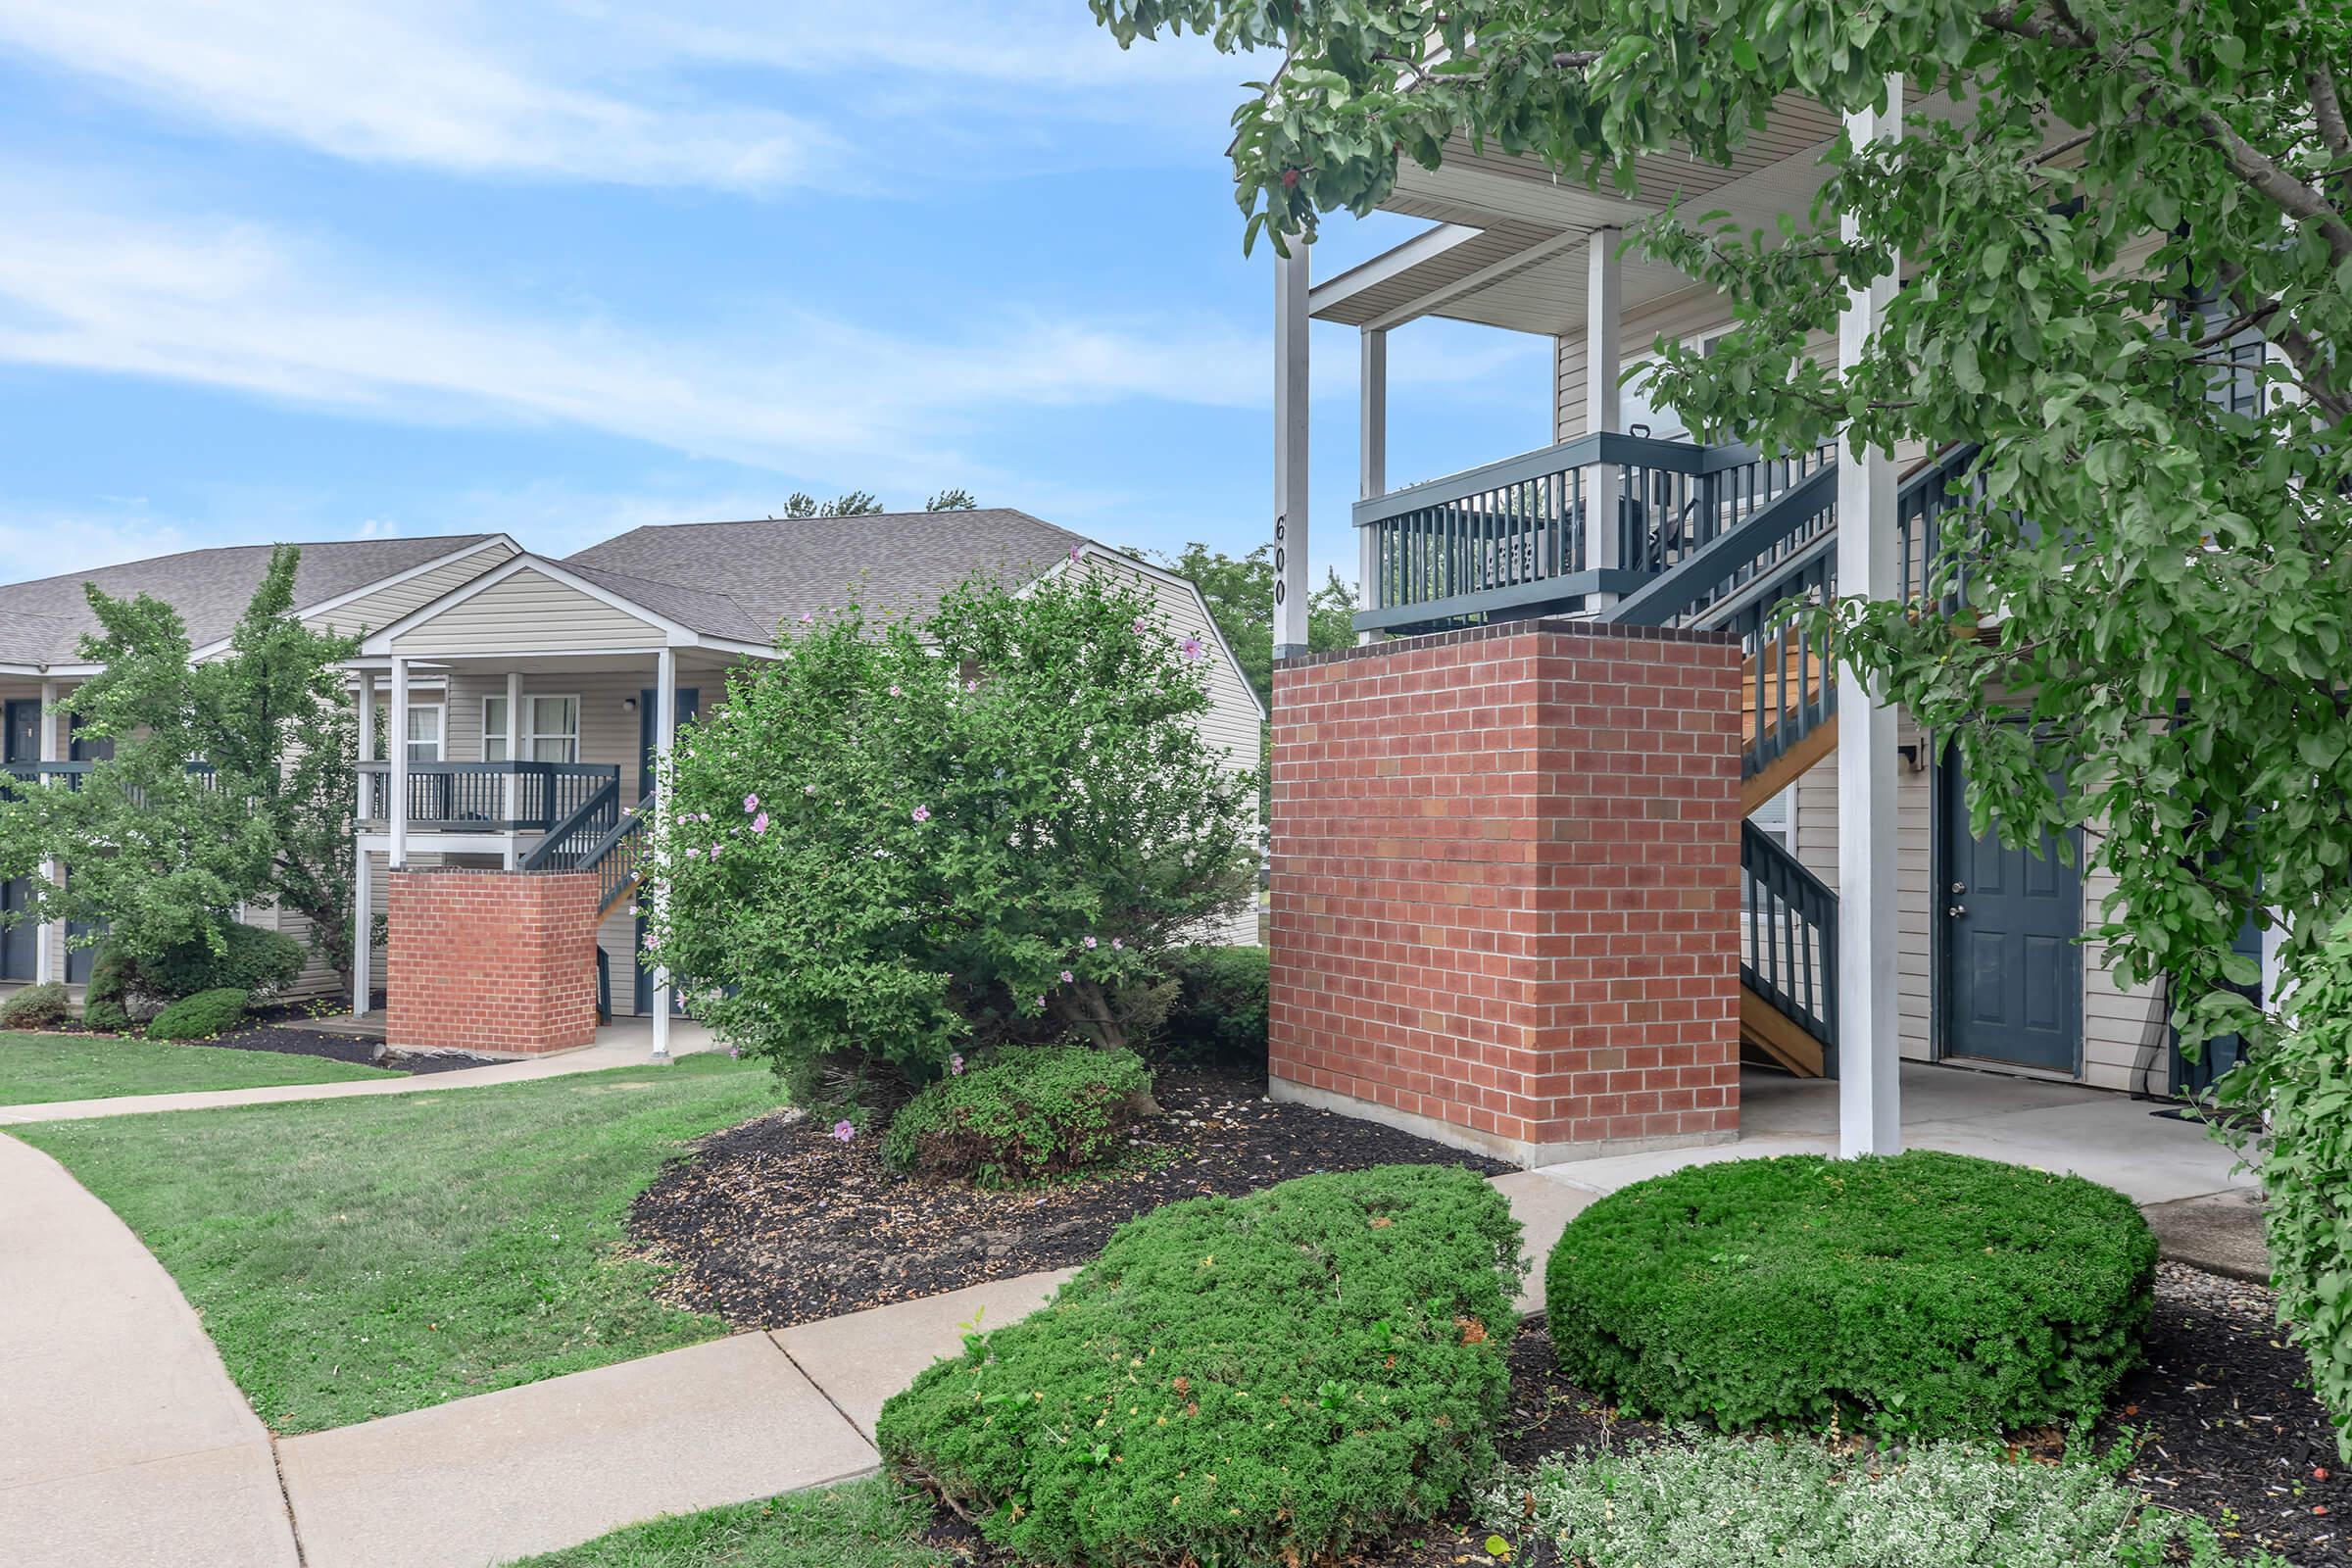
(1220, 1010)
(1028, 1111)
(252, 960)
(200, 1016)
(1926, 1293)
(1938, 1505)
(1267, 1379)
(106, 1017)
(40, 1006)
(110, 977)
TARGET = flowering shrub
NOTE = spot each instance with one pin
(1937, 1505)
(1028, 1111)
(902, 838)
(1273, 1379)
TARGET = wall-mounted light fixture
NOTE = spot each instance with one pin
(629, 704)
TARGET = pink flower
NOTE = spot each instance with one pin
(750, 804)
(1191, 648)
(923, 814)
(1073, 552)
(955, 1065)
(759, 823)
(845, 1131)
(693, 853)
(1116, 944)
(1067, 977)
(808, 789)
(971, 685)
(894, 692)
(1041, 1001)
(1139, 627)
(1091, 944)
(714, 854)
(808, 619)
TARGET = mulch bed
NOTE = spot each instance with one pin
(300, 1039)
(774, 1223)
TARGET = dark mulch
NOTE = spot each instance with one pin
(300, 1039)
(775, 1223)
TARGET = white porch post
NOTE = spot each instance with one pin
(363, 931)
(395, 740)
(1290, 586)
(514, 756)
(45, 966)
(1869, 1061)
(1372, 461)
(1604, 408)
(665, 730)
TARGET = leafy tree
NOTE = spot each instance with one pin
(2132, 193)
(1240, 593)
(958, 499)
(904, 838)
(865, 504)
(162, 849)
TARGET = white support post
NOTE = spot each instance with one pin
(1291, 585)
(395, 740)
(44, 964)
(1604, 408)
(1868, 1057)
(1372, 461)
(514, 756)
(665, 730)
(363, 931)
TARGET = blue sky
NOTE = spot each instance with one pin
(315, 270)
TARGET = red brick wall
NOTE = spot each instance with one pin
(491, 960)
(1505, 890)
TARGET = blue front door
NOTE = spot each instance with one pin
(689, 703)
(2013, 964)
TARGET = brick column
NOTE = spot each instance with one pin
(1505, 894)
(491, 960)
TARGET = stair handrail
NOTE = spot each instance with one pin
(1719, 563)
(1788, 949)
(590, 817)
(614, 856)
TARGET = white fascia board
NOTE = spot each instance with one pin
(306, 611)
(1388, 266)
(675, 635)
(1470, 282)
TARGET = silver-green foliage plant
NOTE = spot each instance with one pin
(1704, 1502)
(901, 838)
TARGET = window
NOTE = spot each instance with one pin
(1777, 818)
(424, 732)
(550, 729)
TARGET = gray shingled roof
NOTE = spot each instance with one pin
(774, 570)
(42, 622)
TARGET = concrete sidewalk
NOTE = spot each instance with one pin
(627, 1043)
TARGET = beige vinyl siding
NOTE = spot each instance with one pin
(387, 605)
(528, 612)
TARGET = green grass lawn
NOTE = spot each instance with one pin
(42, 1069)
(357, 1258)
(875, 1523)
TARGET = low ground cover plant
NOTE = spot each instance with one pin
(36, 1007)
(1025, 1113)
(1704, 1502)
(1928, 1294)
(201, 1016)
(1219, 1013)
(1258, 1380)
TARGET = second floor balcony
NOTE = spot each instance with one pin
(520, 797)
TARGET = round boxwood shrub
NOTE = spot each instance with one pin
(1220, 1009)
(1927, 1294)
(1028, 1111)
(1270, 1379)
(200, 1016)
(38, 1007)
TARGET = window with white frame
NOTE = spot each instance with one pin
(425, 731)
(550, 729)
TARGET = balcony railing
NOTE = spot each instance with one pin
(486, 797)
(1517, 537)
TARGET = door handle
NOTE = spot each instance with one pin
(1955, 912)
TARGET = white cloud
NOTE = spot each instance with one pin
(29, 538)
(725, 96)
(238, 305)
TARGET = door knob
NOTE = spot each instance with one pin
(1959, 888)
(1955, 912)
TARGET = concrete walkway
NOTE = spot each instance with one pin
(625, 1043)
(123, 1442)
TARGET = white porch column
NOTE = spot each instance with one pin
(1291, 585)
(363, 931)
(1372, 461)
(1604, 408)
(395, 740)
(665, 730)
(1869, 1059)
(514, 756)
(367, 737)
(44, 964)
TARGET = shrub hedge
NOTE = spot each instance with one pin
(106, 1017)
(1937, 1505)
(1267, 1379)
(1927, 1294)
(1220, 1009)
(254, 960)
(1028, 1111)
(200, 1016)
(38, 1007)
